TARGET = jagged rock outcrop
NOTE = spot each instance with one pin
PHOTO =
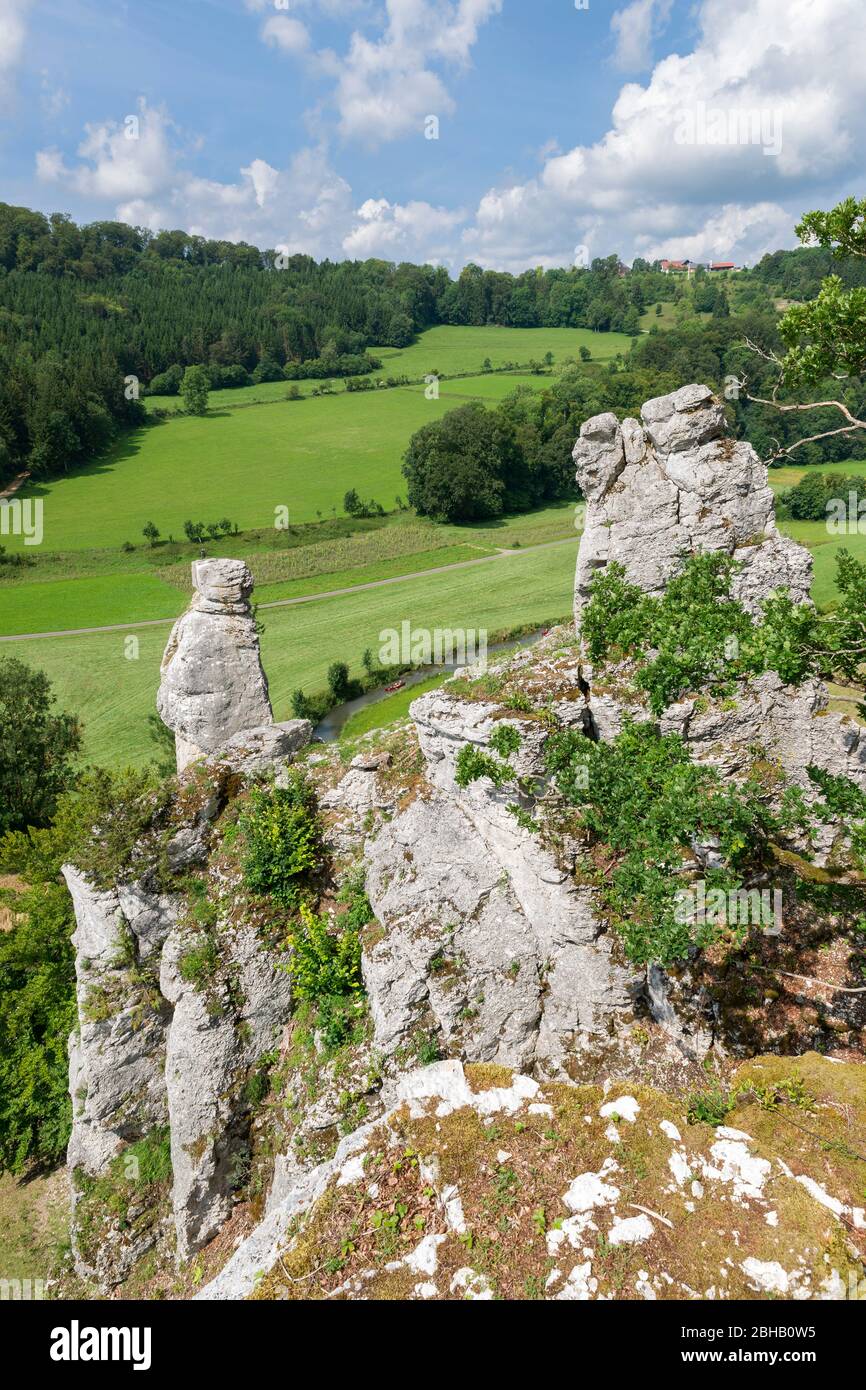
(495, 947)
(523, 973)
(174, 1018)
(117, 1058)
(216, 1036)
(212, 682)
(658, 492)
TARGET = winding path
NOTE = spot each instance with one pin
(303, 598)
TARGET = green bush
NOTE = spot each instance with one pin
(696, 637)
(283, 840)
(473, 763)
(37, 1015)
(37, 747)
(643, 798)
(325, 969)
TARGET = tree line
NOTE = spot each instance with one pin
(91, 317)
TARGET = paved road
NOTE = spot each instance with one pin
(305, 598)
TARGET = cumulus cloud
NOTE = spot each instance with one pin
(410, 231)
(289, 35)
(635, 28)
(385, 85)
(304, 207)
(764, 113)
(124, 159)
(666, 178)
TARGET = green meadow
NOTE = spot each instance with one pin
(87, 603)
(445, 350)
(244, 464)
(94, 676)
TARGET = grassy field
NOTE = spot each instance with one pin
(243, 464)
(387, 711)
(494, 385)
(114, 695)
(34, 1225)
(790, 474)
(87, 603)
(448, 349)
(371, 574)
(824, 548)
(442, 350)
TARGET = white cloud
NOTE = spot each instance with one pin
(403, 232)
(13, 31)
(124, 159)
(287, 34)
(304, 207)
(789, 77)
(385, 86)
(635, 28)
(638, 190)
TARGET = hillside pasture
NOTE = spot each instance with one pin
(93, 677)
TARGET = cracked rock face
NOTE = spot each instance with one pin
(486, 939)
(212, 682)
(657, 492)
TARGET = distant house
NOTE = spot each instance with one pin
(685, 267)
(723, 265)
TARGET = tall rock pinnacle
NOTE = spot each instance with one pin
(657, 492)
(213, 685)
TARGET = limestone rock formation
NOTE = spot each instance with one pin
(172, 1022)
(489, 948)
(658, 492)
(524, 974)
(212, 682)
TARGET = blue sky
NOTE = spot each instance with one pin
(645, 127)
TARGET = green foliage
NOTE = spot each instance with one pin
(505, 740)
(353, 895)
(808, 500)
(695, 630)
(338, 681)
(194, 388)
(695, 637)
(325, 969)
(709, 1108)
(282, 832)
(114, 819)
(37, 747)
(137, 1178)
(844, 801)
(37, 1014)
(199, 963)
(465, 467)
(151, 1157)
(473, 763)
(646, 802)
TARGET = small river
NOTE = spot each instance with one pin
(335, 721)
